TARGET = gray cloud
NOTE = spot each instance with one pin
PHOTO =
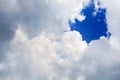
(48, 16)
(8, 26)
(37, 15)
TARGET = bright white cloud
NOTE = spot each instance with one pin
(36, 58)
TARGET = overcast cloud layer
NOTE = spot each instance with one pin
(35, 46)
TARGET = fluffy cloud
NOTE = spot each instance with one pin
(35, 16)
(67, 57)
(37, 58)
(51, 54)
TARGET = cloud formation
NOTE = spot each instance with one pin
(38, 48)
(35, 16)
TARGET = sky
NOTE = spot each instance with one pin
(48, 40)
(94, 25)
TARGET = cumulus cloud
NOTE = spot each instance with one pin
(48, 57)
(51, 54)
(38, 57)
(35, 16)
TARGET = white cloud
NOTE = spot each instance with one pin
(37, 57)
(113, 19)
(52, 56)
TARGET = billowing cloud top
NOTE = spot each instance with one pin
(36, 42)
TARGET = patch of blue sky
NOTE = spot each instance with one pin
(93, 26)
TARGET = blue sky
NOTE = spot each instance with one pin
(94, 26)
(48, 40)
